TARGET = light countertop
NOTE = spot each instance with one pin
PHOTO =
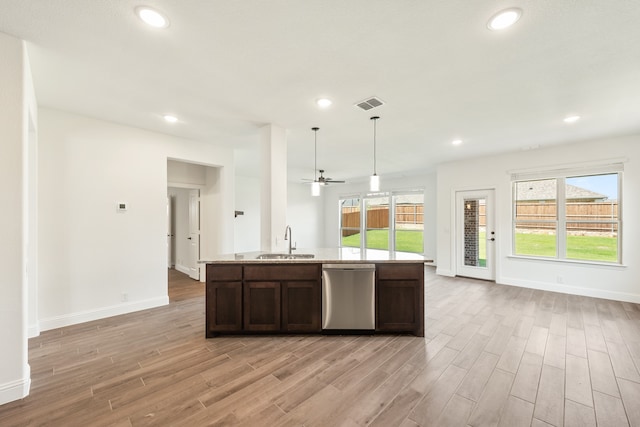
(322, 255)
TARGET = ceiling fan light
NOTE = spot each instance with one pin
(315, 188)
(374, 183)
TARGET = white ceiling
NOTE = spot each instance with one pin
(226, 68)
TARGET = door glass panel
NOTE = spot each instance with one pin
(475, 230)
(409, 223)
(350, 222)
(377, 209)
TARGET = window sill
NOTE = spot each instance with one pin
(569, 261)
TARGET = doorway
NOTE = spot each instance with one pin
(184, 230)
(475, 234)
(194, 234)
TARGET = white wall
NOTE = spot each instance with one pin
(186, 175)
(426, 181)
(247, 226)
(17, 100)
(94, 261)
(614, 282)
(273, 191)
(305, 215)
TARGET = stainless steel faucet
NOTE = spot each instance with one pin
(287, 231)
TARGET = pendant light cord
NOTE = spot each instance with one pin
(375, 120)
(315, 153)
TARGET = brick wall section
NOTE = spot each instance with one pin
(471, 219)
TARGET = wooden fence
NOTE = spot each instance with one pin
(379, 217)
(599, 215)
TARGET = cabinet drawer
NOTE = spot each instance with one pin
(400, 271)
(282, 272)
(224, 272)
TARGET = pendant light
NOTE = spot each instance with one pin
(315, 185)
(374, 180)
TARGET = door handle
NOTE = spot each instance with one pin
(189, 238)
(493, 239)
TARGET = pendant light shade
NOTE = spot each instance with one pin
(374, 183)
(315, 185)
(315, 188)
(374, 180)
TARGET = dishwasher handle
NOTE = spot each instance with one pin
(359, 266)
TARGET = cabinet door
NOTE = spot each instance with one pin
(262, 306)
(223, 307)
(400, 298)
(301, 306)
(398, 306)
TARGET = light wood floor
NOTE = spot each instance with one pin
(493, 355)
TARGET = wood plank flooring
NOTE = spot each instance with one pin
(492, 356)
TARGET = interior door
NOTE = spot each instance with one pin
(194, 234)
(475, 234)
(169, 233)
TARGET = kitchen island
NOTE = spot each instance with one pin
(278, 293)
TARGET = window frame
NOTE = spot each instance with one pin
(363, 197)
(561, 220)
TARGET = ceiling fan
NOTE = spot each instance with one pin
(321, 180)
(326, 180)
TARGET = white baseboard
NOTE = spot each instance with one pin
(14, 390)
(443, 272)
(101, 313)
(34, 330)
(572, 290)
(183, 269)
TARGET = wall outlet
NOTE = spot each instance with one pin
(124, 297)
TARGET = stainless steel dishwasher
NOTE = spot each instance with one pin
(348, 298)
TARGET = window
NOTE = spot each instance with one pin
(377, 222)
(383, 221)
(409, 222)
(573, 216)
(350, 222)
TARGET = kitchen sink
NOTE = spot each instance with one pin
(285, 256)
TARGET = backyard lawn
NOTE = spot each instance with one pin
(406, 241)
(594, 248)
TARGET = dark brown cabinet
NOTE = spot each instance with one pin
(224, 299)
(263, 297)
(287, 298)
(400, 298)
(301, 306)
(261, 306)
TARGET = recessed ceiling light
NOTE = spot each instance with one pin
(571, 119)
(169, 118)
(152, 17)
(504, 19)
(324, 102)
(456, 142)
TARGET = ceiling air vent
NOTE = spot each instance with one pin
(369, 103)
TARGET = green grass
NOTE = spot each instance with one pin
(406, 241)
(592, 248)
